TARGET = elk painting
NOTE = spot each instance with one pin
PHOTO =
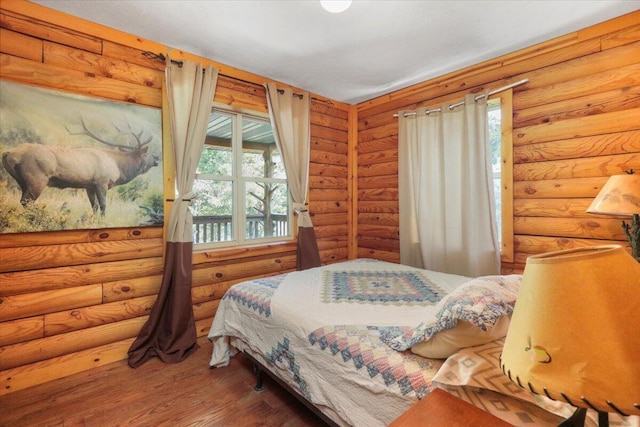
(72, 162)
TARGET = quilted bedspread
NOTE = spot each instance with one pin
(320, 331)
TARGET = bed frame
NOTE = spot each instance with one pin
(259, 369)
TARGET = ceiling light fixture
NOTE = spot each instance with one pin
(335, 6)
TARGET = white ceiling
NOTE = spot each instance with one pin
(375, 47)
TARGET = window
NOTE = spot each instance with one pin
(495, 141)
(241, 186)
(500, 138)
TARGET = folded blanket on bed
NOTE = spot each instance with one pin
(481, 302)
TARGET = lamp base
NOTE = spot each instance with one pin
(634, 236)
(579, 416)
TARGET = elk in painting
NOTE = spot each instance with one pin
(35, 166)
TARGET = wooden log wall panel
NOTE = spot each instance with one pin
(563, 90)
(26, 281)
(45, 31)
(558, 188)
(323, 169)
(69, 80)
(581, 228)
(318, 207)
(553, 208)
(26, 376)
(381, 194)
(382, 181)
(19, 45)
(38, 350)
(379, 206)
(328, 194)
(328, 158)
(100, 65)
(622, 37)
(215, 291)
(578, 168)
(131, 55)
(378, 218)
(389, 245)
(130, 288)
(575, 123)
(80, 236)
(216, 272)
(15, 331)
(88, 317)
(598, 145)
(26, 305)
(604, 102)
(328, 146)
(334, 255)
(381, 254)
(531, 244)
(234, 93)
(81, 296)
(330, 219)
(24, 258)
(599, 124)
(377, 169)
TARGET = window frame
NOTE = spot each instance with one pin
(505, 99)
(238, 183)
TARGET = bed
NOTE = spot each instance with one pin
(361, 341)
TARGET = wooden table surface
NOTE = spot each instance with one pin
(442, 409)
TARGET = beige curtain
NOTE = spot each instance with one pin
(170, 332)
(289, 115)
(447, 210)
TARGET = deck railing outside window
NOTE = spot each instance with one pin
(211, 229)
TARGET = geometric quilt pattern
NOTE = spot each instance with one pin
(380, 287)
(256, 294)
(360, 345)
(282, 355)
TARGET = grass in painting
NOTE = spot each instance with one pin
(68, 209)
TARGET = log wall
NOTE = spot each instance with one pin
(575, 123)
(70, 301)
(74, 300)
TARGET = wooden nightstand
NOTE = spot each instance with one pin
(441, 409)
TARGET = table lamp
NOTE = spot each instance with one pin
(574, 334)
(621, 196)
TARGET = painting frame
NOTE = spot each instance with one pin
(73, 162)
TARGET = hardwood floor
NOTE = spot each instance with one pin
(158, 394)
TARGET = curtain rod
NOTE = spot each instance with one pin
(161, 57)
(452, 106)
(298, 95)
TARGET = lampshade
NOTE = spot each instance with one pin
(619, 196)
(575, 331)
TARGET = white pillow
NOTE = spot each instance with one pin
(464, 334)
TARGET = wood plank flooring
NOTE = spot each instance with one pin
(158, 394)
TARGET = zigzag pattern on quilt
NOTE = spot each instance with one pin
(361, 345)
(282, 355)
(256, 294)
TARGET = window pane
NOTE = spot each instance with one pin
(266, 209)
(495, 139)
(212, 211)
(278, 166)
(260, 158)
(216, 158)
